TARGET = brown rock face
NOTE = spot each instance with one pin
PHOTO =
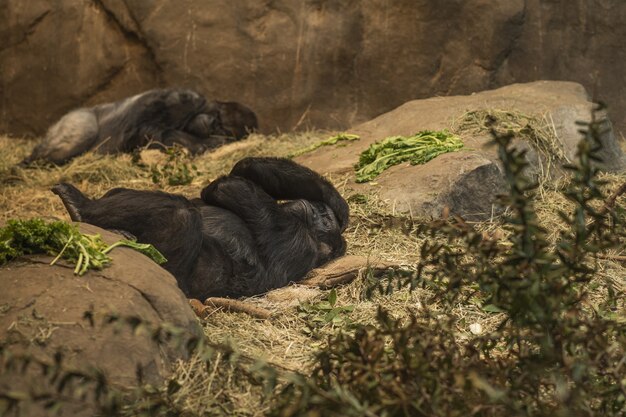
(42, 310)
(298, 63)
(468, 181)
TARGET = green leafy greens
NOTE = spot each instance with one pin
(326, 142)
(177, 170)
(63, 240)
(417, 149)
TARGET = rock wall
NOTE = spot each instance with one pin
(300, 63)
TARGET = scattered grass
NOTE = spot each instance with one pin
(221, 386)
(536, 130)
(333, 140)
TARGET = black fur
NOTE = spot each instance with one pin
(237, 240)
(166, 116)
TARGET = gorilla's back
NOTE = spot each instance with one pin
(129, 123)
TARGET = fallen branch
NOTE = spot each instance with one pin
(200, 309)
(610, 202)
(618, 258)
(231, 305)
(343, 271)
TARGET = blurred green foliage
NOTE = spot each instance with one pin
(553, 354)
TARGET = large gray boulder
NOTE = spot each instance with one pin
(42, 311)
(468, 181)
(325, 63)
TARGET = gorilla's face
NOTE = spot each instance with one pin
(237, 119)
(321, 220)
(206, 124)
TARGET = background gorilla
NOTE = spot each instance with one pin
(237, 240)
(167, 116)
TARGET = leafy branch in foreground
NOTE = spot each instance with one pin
(552, 354)
(64, 241)
(58, 387)
(417, 149)
(326, 312)
(563, 355)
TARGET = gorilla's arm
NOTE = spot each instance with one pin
(287, 248)
(195, 144)
(284, 179)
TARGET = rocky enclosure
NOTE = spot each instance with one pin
(321, 63)
(468, 181)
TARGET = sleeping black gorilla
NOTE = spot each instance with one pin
(237, 240)
(167, 116)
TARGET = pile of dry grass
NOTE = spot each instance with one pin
(538, 130)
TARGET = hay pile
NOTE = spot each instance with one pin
(290, 338)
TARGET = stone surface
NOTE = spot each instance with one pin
(467, 181)
(299, 63)
(43, 306)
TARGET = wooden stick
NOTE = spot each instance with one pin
(326, 282)
(200, 309)
(617, 258)
(610, 202)
(231, 305)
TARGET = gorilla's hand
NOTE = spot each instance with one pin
(284, 179)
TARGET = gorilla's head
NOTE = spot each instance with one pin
(237, 120)
(321, 220)
(204, 125)
(218, 118)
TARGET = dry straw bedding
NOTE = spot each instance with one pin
(283, 340)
